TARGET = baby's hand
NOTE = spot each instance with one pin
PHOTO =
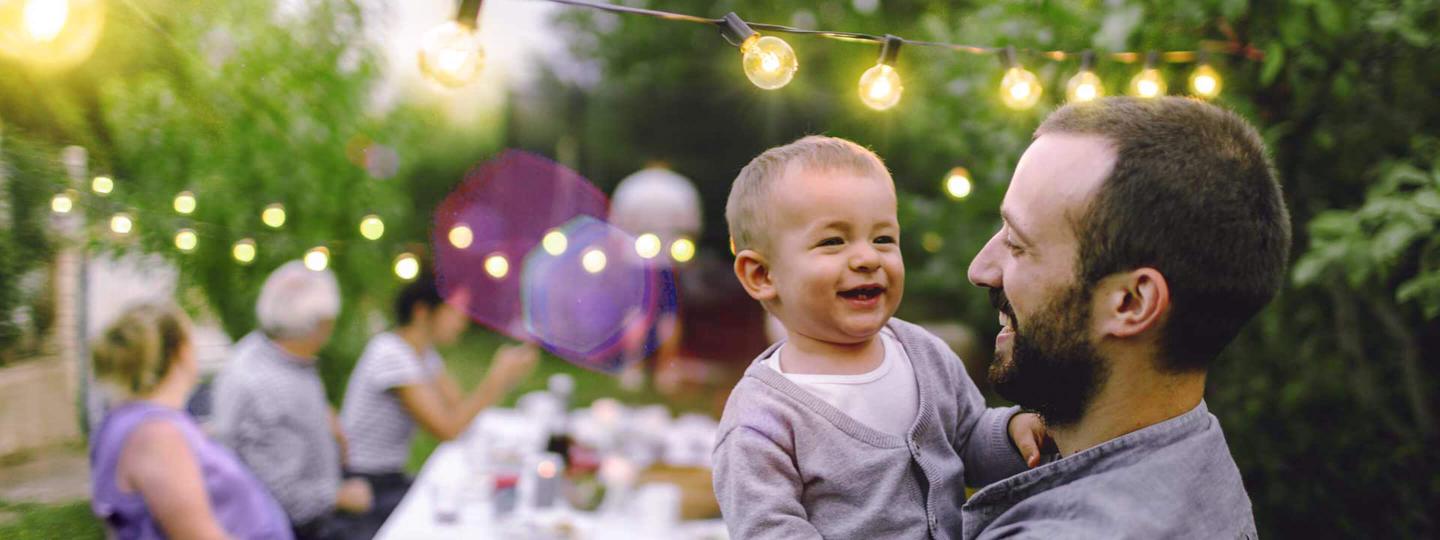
(1028, 432)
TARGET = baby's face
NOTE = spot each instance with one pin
(834, 254)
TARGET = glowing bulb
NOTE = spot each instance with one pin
(768, 61)
(121, 223)
(317, 258)
(555, 243)
(451, 54)
(682, 250)
(647, 246)
(102, 185)
(371, 227)
(497, 266)
(593, 261)
(62, 203)
(1205, 82)
(1084, 86)
(244, 251)
(1148, 84)
(932, 242)
(880, 87)
(186, 240)
(45, 18)
(958, 184)
(1020, 89)
(407, 266)
(273, 215)
(185, 202)
(461, 236)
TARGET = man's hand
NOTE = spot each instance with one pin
(354, 496)
(1027, 430)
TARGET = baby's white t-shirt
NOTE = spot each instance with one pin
(885, 399)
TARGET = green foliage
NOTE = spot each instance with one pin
(41, 522)
(27, 180)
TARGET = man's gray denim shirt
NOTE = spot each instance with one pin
(1174, 479)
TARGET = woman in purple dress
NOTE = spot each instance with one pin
(154, 473)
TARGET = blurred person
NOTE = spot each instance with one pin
(270, 405)
(154, 473)
(400, 381)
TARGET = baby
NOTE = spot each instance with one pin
(857, 425)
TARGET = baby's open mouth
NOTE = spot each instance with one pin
(863, 292)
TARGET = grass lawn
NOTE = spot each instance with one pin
(45, 522)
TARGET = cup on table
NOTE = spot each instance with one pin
(446, 493)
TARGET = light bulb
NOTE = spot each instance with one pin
(102, 185)
(1205, 82)
(957, 183)
(186, 240)
(317, 258)
(45, 18)
(769, 61)
(273, 215)
(461, 236)
(497, 266)
(407, 266)
(880, 87)
(62, 203)
(185, 203)
(451, 54)
(244, 251)
(1148, 83)
(371, 227)
(1084, 86)
(121, 223)
(647, 246)
(1020, 89)
(682, 250)
(593, 261)
(555, 243)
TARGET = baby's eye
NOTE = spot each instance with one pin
(885, 239)
(831, 241)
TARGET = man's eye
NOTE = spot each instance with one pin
(885, 239)
(1014, 248)
(832, 241)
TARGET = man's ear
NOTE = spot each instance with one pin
(1133, 303)
(753, 271)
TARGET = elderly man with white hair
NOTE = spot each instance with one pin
(270, 405)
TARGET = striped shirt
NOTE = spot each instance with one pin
(379, 427)
(270, 409)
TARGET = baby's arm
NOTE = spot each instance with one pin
(759, 488)
(988, 454)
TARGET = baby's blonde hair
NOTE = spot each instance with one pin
(747, 210)
(137, 350)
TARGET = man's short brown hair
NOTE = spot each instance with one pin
(747, 210)
(1193, 195)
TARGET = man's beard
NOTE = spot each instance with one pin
(1053, 368)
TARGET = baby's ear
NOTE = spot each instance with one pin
(754, 274)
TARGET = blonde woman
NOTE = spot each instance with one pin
(154, 474)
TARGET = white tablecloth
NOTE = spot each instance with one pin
(415, 517)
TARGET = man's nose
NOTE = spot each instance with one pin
(985, 267)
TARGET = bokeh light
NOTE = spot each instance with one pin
(50, 35)
(555, 242)
(594, 261)
(958, 184)
(273, 216)
(1020, 89)
(497, 266)
(1205, 82)
(1084, 86)
(185, 203)
(880, 87)
(317, 258)
(682, 250)
(451, 54)
(1148, 83)
(769, 62)
(648, 246)
(102, 185)
(244, 251)
(186, 240)
(62, 203)
(371, 227)
(407, 266)
(121, 223)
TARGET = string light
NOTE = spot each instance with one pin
(555, 243)
(102, 185)
(186, 240)
(1085, 85)
(1019, 89)
(647, 246)
(593, 261)
(273, 216)
(880, 86)
(461, 236)
(682, 250)
(371, 227)
(1205, 81)
(50, 35)
(768, 61)
(1149, 82)
(185, 203)
(45, 18)
(407, 266)
(121, 223)
(317, 258)
(451, 54)
(497, 266)
(958, 184)
(63, 202)
(244, 251)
